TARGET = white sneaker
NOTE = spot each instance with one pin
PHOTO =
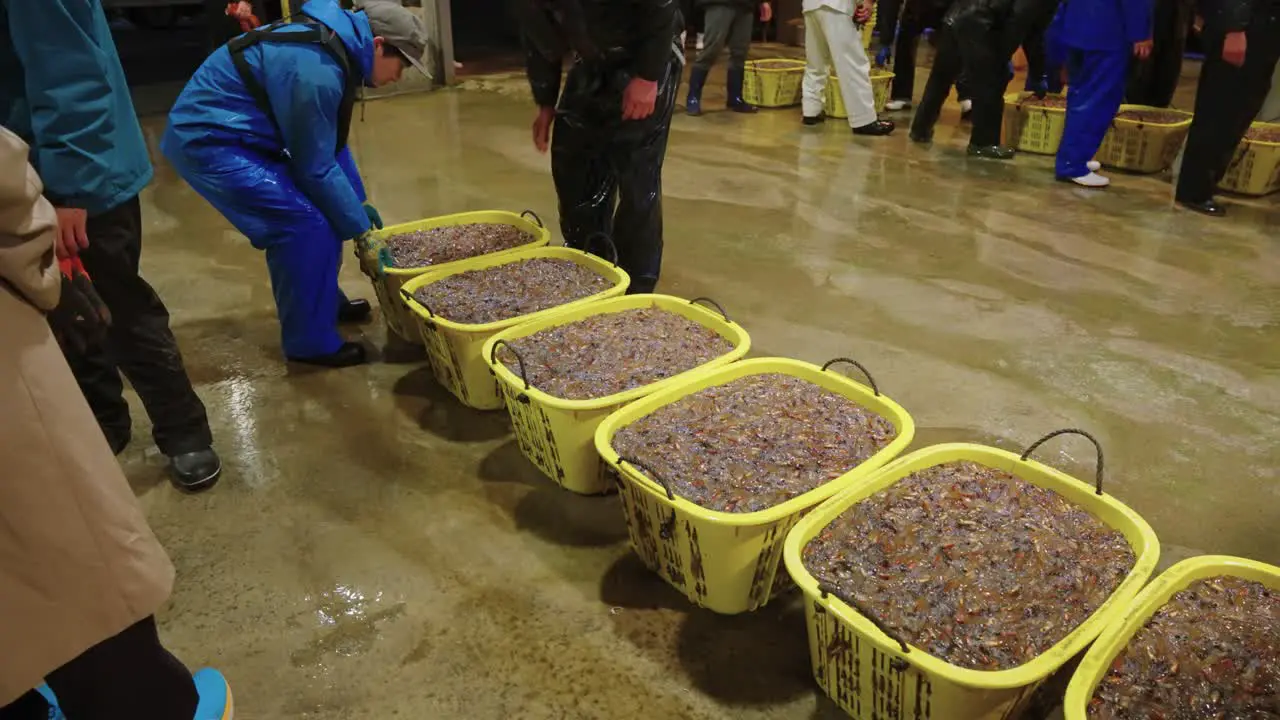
(697, 43)
(1092, 180)
(894, 105)
(683, 44)
(966, 106)
(1093, 165)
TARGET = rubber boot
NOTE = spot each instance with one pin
(693, 103)
(733, 85)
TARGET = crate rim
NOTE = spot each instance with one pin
(724, 374)
(1016, 99)
(1028, 673)
(1130, 121)
(541, 233)
(797, 64)
(1265, 143)
(728, 329)
(608, 270)
(1097, 661)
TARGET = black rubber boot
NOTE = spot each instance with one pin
(1208, 207)
(733, 85)
(992, 152)
(350, 353)
(693, 103)
(354, 311)
(195, 471)
(878, 127)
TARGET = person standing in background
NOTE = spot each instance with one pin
(831, 39)
(63, 91)
(1154, 80)
(728, 23)
(1241, 48)
(1099, 37)
(693, 24)
(81, 574)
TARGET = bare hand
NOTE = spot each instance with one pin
(862, 13)
(766, 12)
(243, 10)
(1142, 50)
(72, 233)
(542, 128)
(1235, 48)
(639, 98)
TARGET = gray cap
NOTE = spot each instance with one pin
(400, 28)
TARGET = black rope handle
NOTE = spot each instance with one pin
(409, 298)
(1071, 431)
(534, 215)
(493, 359)
(829, 589)
(874, 388)
(586, 246)
(713, 304)
(650, 473)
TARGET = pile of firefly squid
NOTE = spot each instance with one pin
(424, 248)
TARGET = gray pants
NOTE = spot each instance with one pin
(725, 25)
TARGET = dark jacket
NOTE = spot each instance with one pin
(633, 35)
(1112, 25)
(1010, 20)
(749, 5)
(1224, 16)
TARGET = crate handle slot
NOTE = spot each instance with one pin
(493, 359)
(712, 303)
(534, 215)
(613, 249)
(829, 589)
(409, 298)
(649, 471)
(1071, 431)
(858, 365)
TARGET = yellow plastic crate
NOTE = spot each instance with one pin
(556, 434)
(728, 562)
(454, 348)
(1255, 169)
(773, 87)
(881, 82)
(1032, 129)
(872, 675)
(387, 288)
(1097, 662)
(868, 28)
(1144, 147)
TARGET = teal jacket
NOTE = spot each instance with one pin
(63, 91)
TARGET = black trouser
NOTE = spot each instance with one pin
(692, 16)
(139, 344)
(608, 172)
(973, 50)
(726, 26)
(887, 12)
(1154, 80)
(904, 59)
(1228, 98)
(129, 675)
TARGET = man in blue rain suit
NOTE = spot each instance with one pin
(1099, 37)
(261, 132)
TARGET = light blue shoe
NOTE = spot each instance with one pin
(55, 712)
(215, 696)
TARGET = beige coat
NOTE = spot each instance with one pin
(78, 562)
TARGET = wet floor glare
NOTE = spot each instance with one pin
(376, 550)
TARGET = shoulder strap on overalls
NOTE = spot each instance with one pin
(315, 33)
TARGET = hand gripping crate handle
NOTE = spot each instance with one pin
(712, 303)
(534, 215)
(858, 365)
(1071, 431)
(409, 298)
(608, 243)
(829, 589)
(649, 471)
(493, 359)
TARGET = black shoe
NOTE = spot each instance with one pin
(195, 471)
(741, 106)
(815, 120)
(922, 138)
(349, 354)
(878, 127)
(992, 152)
(1208, 207)
(354, 311)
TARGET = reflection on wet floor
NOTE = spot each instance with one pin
(377, 550)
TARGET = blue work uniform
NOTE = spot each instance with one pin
(284, 178)
(1098, 38)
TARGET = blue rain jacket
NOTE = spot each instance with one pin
(63, 91)
(1113, 25)
(216, 116)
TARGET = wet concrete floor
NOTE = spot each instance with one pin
(375, 550)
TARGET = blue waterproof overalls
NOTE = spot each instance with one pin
(260, 132)
(1097, 37)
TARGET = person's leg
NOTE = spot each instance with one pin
(1210, 143)
(817, 68)
(987, 82)
(1096, 90)
(130, 675)
(139, 341)
(636, 153)
(887, 14)
(585, 185)
(718, 23)
(902, 92)
(739, 45)
(304, 280)
(853, 68)
(30, 706)
(946, 68)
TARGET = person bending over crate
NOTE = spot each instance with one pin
(978, 37)
(728, 23)
(1099, 37)
(832, 40)
(260, 132)
(612, 120)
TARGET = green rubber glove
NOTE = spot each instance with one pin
(374, 255)
(375, 218)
